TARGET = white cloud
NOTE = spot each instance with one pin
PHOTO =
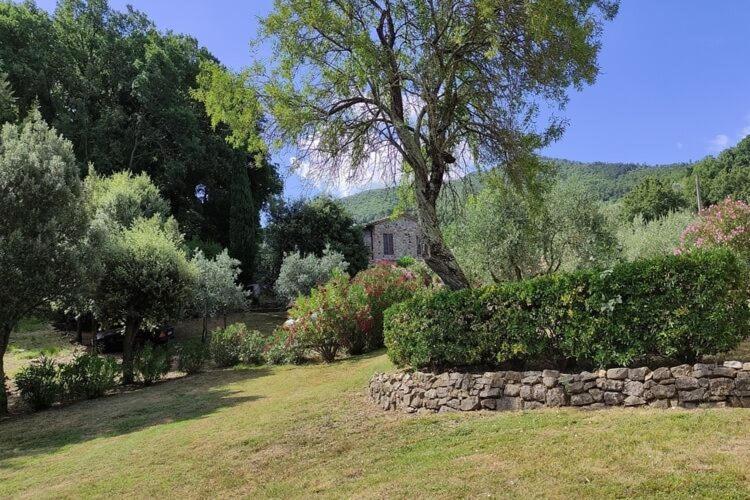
(718, 143)
(744, 132)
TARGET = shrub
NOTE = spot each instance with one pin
(641, 240)
(236, 344)
(299, 275)
(334, 316)
(192, 356)
(151, 363)
(726, 224)
(386, 284)
(88, 376)
(283, 348)
(674, 307)
(38, 383)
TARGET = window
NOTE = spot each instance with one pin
(387, 243)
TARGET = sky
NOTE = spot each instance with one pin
(674, 83)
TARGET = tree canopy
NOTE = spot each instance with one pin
(652, 198)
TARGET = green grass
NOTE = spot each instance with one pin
(310, 430)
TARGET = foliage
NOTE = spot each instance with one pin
(119, 90)
(642, 240)
(151, 363)
(652, 199)
(726, 224)
(284, 348)
(192, 356)
(309, 227)
(236, 344)
(335, 316)
(298, 275)
(386, 284)
(723, 176)
(38, 383)
(507, 235)
(216, 288)
(676, 307)
(88, 376)
(122, 198)
(42, 225)
(8, 109)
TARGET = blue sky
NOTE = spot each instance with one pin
(674, 83)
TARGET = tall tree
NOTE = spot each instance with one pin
(8, 109)
(439, 87)
(42, 223)
(243, 224)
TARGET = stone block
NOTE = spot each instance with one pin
(526, 392)
(606, 384)
(556, 397)
(532, 405)
(633, 388)
(634, 401)
(617, 373)
(685, 383)
(681, 371)
(539, 392)
(737, 365)
(488, 404)
(663, 391)
(468, 404)
(691, 396)
(490, 393)
(638, 374)
(581, 399)
(597, 394)
(512, 390)
(509, 403)
(661, 374)
(550, 374)
(613, 398)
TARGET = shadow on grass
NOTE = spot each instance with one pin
(185, 399)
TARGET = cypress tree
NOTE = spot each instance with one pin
(243, 223)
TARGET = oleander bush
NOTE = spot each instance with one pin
(237, 344)
(151, 363)
(669, 307)
(88, 376)
(335, 316)
(385, 284)
(39, 383)
(284, 348)
(192, 356)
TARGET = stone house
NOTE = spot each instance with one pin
(390, 239)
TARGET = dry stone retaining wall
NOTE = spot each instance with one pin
(689, 386)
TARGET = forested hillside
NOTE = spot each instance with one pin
(609, 181)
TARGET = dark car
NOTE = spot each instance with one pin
(112, 340)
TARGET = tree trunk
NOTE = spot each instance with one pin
(132, 323)
(4, 338)
(204, 334)
(439, 257)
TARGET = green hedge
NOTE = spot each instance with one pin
(671, 307)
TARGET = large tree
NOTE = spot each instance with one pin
(42, 224)
(424, 86)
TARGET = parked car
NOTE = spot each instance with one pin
(112, 340)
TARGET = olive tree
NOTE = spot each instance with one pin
(217, 288)
(43, 221)
(376, 88)
(148, 277)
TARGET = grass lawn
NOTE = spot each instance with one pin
(309, 430)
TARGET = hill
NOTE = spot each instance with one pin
(610, 181)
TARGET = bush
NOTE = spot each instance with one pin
(299, 275)
(192, 356)
(670, 307)
(284, 348)
(38, 383)
(641, 240)
(726, 224)
(334, 316)
(88, 376)
(236, 344)
(151, 363)
(386, 284)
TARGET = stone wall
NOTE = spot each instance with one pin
(689, 386)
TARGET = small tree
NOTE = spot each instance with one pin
(300, 274)
(148, 278)
(42, 223)
(217, 290)
(652, 198)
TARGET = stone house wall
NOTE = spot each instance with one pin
(406, 236)
(688, 386)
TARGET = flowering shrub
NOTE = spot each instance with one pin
(334, 316)
(726, 224)
(385, 284)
